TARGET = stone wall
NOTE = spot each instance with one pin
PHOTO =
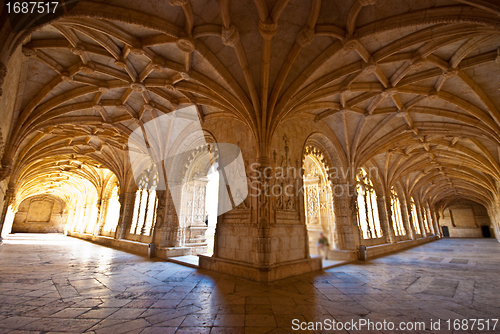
(40, 214)
(464, 219)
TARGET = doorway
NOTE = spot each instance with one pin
(318, 200)
(486, 231)
(211, 204)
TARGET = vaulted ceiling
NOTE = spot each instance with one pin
(409, 86)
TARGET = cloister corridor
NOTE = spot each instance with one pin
(53, 283)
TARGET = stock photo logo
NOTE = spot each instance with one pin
(24, 15)
(168, 145)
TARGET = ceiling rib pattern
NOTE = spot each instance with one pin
(414, 92)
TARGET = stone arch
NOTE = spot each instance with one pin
(40, 214)
(190, 169)
(110, 206)
(326, 189)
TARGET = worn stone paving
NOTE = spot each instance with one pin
(52, 283)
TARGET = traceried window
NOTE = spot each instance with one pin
(145, 203)
(368, 218)
(397, 219)
(414, 216)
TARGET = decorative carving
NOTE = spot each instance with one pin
(186, 44)
(305, 36)
(2, 144)
(370, 66)
(185, 75)
(138, 87)
(137, 51)
(389, 92)
(3, 73)
(79, 50)
(230, 36)
(87, 69)
(28, 52)
(286, 199)
(451, 73)
(66, 77)
(268, 29)
(120, 63)
(350, 44)
(170, 87)
(6, 168)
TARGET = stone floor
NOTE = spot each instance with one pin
(52, 283)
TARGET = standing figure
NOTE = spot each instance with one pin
(322, 245)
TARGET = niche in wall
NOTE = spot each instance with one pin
(40, 214)
(465, 219)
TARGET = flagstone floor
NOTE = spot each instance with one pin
(53, 283)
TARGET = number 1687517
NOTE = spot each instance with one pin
(31, 7)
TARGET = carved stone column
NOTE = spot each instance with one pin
(170, 233)
(421, 220)
(435, 222)
(408, 219)
(3, 73)
(6, 166)
(264, 215)
(160, 216)
(390, 224)
(101, 209)
(126, 213)
(7, 201)
(384, 220)
(428, 217)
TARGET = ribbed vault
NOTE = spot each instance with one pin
(408, 86)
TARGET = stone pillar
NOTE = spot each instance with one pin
(170, 232)
(7, 201)
(425, 212)
(352, 198)
(421, 220)
(435, 222)
(264, 215)
(160, 216)
(390, 223)
(127, 201)
(408, 219)
(384, 219)
(338, 240)
(262, 243)
(99, 217)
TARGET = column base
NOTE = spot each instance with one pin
(342, 255)
(166, 252)
(260, 273)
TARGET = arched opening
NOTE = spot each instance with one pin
(211, 204)
(319, 213)
(368, 215)
(145, 204)
(40, 214)
(111, 211)
(199, 201)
